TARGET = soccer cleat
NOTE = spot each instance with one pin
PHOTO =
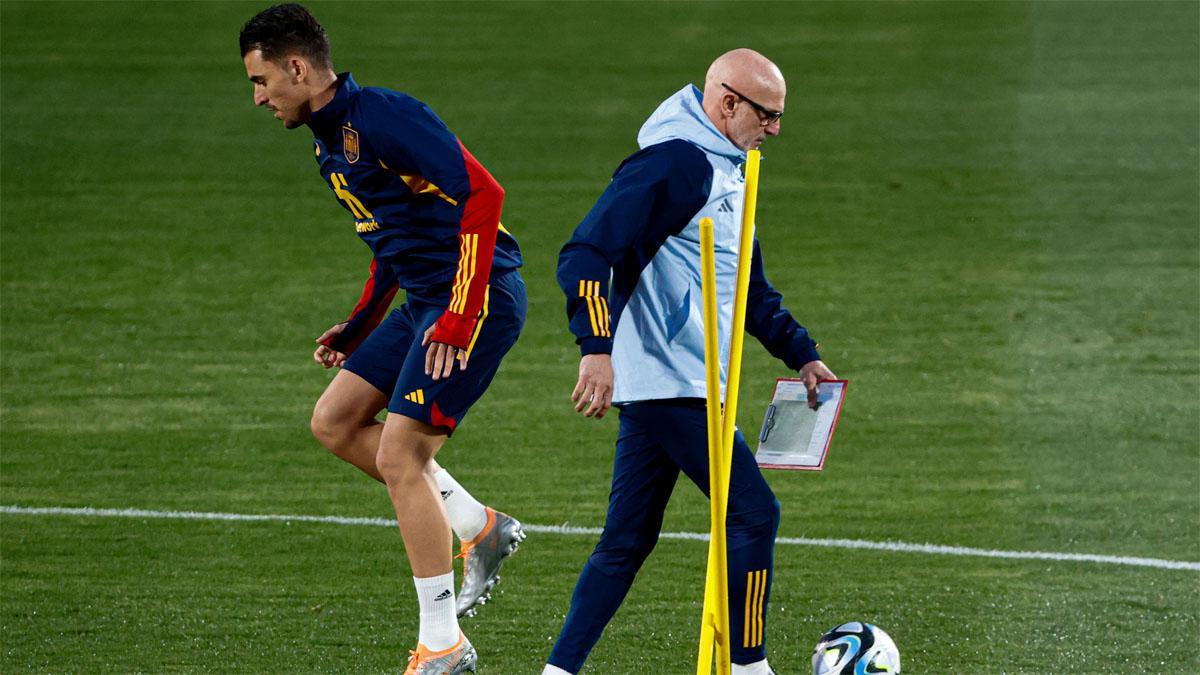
(482, 558)
(460, 658)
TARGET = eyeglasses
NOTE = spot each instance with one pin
(766, 116)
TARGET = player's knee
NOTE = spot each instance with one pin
(398, 467)
(326, 428)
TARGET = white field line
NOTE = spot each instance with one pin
(890, 546)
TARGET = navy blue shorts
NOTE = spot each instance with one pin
(393, 360)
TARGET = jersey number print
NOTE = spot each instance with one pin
(364, 219)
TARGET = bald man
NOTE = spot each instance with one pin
(631, 273)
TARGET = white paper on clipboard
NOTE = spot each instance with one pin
(794, 436)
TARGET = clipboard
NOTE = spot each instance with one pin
(794, 436)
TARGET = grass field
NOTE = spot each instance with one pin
(988, 213)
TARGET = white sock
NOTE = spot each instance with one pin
(467, 516)
(439, 622)
(554, 670)
(756, 668)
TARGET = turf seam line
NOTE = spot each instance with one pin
(888, 546)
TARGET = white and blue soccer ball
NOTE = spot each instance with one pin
(856, 648)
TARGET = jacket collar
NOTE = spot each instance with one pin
(333, 114)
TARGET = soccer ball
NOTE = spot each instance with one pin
(856, 648)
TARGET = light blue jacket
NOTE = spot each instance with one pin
(631, 271)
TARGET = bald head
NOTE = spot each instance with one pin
(735, 84)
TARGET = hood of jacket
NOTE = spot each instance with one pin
(682, 117)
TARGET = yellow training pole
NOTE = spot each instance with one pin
(738, 329)
(737, 336)
(714, 621)
(715, 629)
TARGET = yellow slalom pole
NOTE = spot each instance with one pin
(733, 381)
(717, 597)
(738, 329)
(714, 622)
(714, 631)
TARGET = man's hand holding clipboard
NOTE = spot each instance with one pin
(799, 423)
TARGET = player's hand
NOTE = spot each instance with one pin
(327, 357)
(594, 391)
(440, 357)
(812, 373)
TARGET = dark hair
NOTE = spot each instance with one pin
(286, 30)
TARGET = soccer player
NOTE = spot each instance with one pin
(631, 273)
(430, 213)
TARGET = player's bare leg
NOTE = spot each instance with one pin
(406, 450)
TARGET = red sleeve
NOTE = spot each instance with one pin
(376, 297)
(476, 245)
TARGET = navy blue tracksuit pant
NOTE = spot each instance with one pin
(656, 440)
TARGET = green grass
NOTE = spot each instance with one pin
(987, 213)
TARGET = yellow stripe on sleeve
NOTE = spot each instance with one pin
(474, 265)
(458, 273)
(597, 308)
(467, 249)
(604, 316)
(601, 309)
(464, 249)
(472, 258)
(585, 288)
(592, 314)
